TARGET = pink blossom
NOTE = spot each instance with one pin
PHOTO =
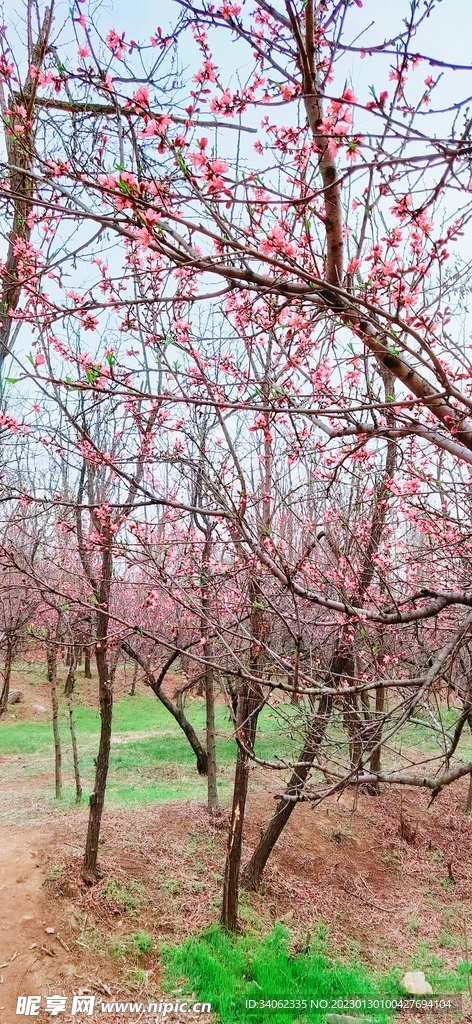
(151, 216)
(141, 96)
(116, 43)
(143, 237)
(218, 166)
(229, 10)
(89, 323)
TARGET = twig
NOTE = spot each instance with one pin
(466, 949)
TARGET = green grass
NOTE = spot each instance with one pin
(227, 971)
(134, 946)
(128, 894)
(151, 759)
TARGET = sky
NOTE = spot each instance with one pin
(446, 35)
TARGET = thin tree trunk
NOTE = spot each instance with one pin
(468, 803)
(155, 682)
(6, 674)
(69, 692)
(248, 711)
(252, 872)
(105, 692)
(134, 680)
(75, 753)
(250, 701)
(87, 663)
(51, 654)
(97, 798)
(251, 876)
(213, 805)
(212, 801)
(376, 759)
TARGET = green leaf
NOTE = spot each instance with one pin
(92, 373)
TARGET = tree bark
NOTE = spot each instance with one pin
(468, 803)
(251, 876)
(6, 674)
(155, 682)
(20, 154)
(75, 752)
(97, 798)
(87, 663)
(105, 692)
(212, 790)
(376, 759)
(248, 711)
(213, 805)
(250, 701)
(69, 692)
(134, 680)
(51, 654)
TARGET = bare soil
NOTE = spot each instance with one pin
(390, 876)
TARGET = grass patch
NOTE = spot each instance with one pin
(151, 761)
(129, 895)
(227, 971)
(134, 946)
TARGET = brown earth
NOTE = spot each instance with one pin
(390, 877)
(384, 897)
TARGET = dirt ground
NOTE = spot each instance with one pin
(383, 895)
(390, 877)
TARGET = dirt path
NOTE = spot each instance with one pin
(25, 914)
(41, 952)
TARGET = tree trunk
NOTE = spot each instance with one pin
(51, 654)
(375, 761)
(87, 663)
(6, 674)
(251, 876)
(250, 701)
(468, 804)
(69, 692)
(213, 806)
(155, 682)
(212, 790)
(75, 753)
(254, 868)
(97, 798)
(134, 680)
(105, 693)
(248, 711)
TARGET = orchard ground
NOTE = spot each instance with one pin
(383, 881)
